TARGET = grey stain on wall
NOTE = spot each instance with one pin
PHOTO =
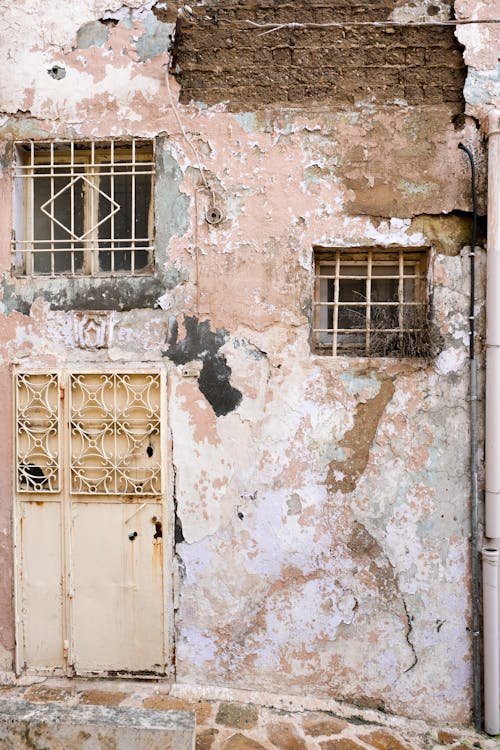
(156, 39)
(92, 34)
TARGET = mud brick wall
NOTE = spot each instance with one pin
(219, 57)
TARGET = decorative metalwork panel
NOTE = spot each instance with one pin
(37, 443)
(115, 434)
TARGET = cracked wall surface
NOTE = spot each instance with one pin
(322, 503)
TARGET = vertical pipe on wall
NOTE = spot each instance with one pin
(492, 510)
(475, 567)
(492, 447)
(490, 640)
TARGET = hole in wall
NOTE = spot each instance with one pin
(57, 72)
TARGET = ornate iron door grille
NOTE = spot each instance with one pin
(114, 437)
(37, 438)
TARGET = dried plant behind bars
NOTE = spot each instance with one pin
(420, 338)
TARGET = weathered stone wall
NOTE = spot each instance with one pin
(322, 503)
(221, 57)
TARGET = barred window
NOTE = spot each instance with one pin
(370, 302)
(83, 208)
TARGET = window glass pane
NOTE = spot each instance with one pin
(63, 199)
(128, 226)
(385, 290)
(409, 290)
(384, 316)
(384, 270)
(351, 290)
(352, 343)
(360, 271)
(352, 317)
(327, 292)
(327, 270)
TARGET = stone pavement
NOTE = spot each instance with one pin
(241, 720)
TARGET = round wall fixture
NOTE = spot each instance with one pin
(213, 215)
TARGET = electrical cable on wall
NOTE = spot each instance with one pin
(213, 215)
(185, 13)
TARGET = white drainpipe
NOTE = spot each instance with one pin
(490, 640)
(492, 499)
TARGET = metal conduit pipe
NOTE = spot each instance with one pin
(492, 447)
(474, 514)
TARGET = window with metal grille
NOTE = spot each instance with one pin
(370, 302)
(83, 208)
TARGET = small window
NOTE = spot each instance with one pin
(371, 302)
(83, 208)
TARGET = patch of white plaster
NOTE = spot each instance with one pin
(450, 360)
(5, 659)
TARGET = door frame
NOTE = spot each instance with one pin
(166, 507)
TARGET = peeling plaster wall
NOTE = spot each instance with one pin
(322, 503)
(481, 55)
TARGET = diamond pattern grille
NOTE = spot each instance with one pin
(48, 208)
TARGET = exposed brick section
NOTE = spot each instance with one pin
(220, 60)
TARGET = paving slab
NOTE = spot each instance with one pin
(30, 726)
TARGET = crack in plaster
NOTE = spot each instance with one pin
(409, 630)
(363, 544)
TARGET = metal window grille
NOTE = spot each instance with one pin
(83, 208)
(113, 442)
(370, 302)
